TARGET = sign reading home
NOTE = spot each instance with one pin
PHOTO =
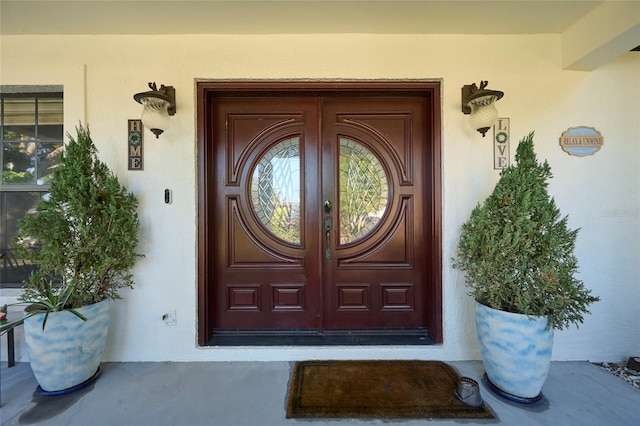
(134, 147)
(581, 141)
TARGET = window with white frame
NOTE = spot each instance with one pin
(31, 141)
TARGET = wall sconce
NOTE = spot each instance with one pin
(480, 103)
(158, 106)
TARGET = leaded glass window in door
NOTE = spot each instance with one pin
(275, 190)
(364, 191)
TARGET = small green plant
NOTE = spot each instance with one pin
(83, 235)
(517, 252)
(56, 300)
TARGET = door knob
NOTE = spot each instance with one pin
(327, 207)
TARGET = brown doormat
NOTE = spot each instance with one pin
(377, 389)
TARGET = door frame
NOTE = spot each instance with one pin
(430, 90)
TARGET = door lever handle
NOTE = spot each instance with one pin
(328, 224)
(327, 252)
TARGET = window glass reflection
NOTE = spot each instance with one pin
(18, 163)
(14, 269)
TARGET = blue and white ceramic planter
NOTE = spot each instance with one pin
(516, 350)
(69, 350)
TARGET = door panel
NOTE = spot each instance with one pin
(280, 259)
(374, 281)
(266, 273)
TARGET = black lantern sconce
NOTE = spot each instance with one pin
(480, 103)
(158, 105)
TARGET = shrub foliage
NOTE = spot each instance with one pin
(85, 233)
(516, 250)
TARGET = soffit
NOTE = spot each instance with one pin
(20, 17)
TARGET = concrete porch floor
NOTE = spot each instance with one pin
(254, 394)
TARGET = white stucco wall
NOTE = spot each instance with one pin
(601, 194)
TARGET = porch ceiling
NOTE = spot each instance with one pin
(69, 17)
(290, 16)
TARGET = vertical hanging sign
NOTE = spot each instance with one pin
(501, 144)
(135, 148)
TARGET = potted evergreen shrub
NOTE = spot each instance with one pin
(83, 236)
(517, 253)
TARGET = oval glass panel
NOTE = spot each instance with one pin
(275, 190)
(364, 191)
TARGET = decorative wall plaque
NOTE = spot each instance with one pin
(135, 145)
(501, 136)
(581, 141)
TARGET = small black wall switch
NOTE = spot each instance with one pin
(167, 196)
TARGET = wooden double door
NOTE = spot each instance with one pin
(320, 215)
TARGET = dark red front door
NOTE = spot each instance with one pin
(318, 222)
(372, 174)
(267, 266)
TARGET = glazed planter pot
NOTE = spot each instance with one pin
(516, 351)
(69, 350)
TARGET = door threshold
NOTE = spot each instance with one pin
(319, 340)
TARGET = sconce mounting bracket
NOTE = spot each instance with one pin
(166, 93)
(471, 92)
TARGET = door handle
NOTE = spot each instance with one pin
(328, 224)
(327, 207)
